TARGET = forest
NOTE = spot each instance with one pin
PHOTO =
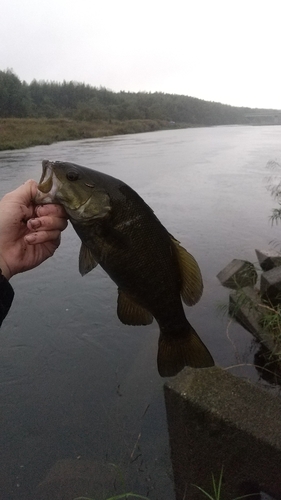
(82, 102)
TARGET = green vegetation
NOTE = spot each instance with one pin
(249, 307)
(17, 133)
(52, 111)
(267, 316)
(77, 101)
(271, 323)
(217, 489)
(274, 187)
(271, 314)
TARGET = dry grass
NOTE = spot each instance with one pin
(18, 133)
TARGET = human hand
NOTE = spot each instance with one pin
(29, 234)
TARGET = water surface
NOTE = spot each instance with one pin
(77, 386)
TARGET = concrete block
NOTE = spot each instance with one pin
(244, 306)
(270, 286)
(237, 274)
(216, 421)
(247, 308)
(268, 259)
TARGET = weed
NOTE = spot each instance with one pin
(274, 187)
(247, 303)
(217, 489)
(18, 133)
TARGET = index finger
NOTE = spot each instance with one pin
(24, 193)
(50, 209)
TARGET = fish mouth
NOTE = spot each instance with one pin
(46, 185)
(46, 189)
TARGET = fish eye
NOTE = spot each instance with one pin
(72, 175)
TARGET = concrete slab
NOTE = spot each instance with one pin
(244, 305)
(247, 308)
(270, 286)
(238, 273)
(216, 421)
(268, 259)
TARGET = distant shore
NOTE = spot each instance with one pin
(19, 133)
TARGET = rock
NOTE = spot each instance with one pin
(270, 286)
(238, 274)
(268, 259)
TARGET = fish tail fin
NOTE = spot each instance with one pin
(176, 352)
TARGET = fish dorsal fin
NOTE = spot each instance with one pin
(131, 313)
(192, 284)
(87, 261)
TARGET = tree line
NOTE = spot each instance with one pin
(79, 101)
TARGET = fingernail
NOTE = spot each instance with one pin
(38, 210)
(35, 223)
(30, 238)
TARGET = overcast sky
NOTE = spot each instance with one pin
(218, 50)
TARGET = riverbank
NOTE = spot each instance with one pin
(257, 307)
(18, 133)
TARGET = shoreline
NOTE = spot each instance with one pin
(20, 133)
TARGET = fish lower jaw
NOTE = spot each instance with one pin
(48, 195)
(43, 198)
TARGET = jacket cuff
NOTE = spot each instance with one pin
(6, 297)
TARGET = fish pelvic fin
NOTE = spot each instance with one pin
(174, 353)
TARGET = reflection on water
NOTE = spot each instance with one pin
(79, 390)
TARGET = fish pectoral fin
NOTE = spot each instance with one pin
(131, 313)
(192, 284)
(87, 261)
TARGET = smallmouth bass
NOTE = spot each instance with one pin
(152, 271)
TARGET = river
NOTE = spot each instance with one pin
(80, 396)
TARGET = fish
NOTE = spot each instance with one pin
(154, 274)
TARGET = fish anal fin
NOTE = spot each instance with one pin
(87, 261)
(192, 283)
(174, 353)
(131, 313)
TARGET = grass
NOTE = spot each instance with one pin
(271, 320)
(266, 319)
(217, 489)
(271, 323)
(18, 133)
(214, 495)
(268, 316)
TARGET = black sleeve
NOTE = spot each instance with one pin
(6, 297)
